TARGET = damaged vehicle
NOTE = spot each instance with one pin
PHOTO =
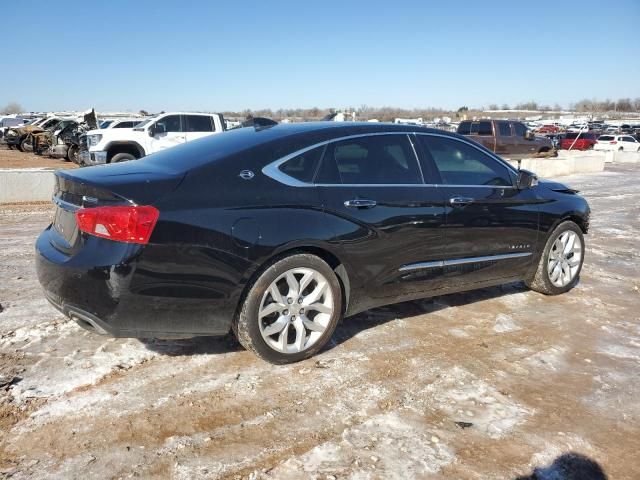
(20, 137)
(41, 142)
(67, 142)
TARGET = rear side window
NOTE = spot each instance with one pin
(504, 129)
(464, 128)
(199, 123)
(461, 164)
(377, 160)
(303, 167)
(484, 128)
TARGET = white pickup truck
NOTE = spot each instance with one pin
(153, 134)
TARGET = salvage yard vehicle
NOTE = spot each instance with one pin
(19, 137)
(40, 142)
(617, 142)
(279, 232)
(506, 137)
(578, 141)
(167, 130)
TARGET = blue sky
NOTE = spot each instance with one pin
(210, 55)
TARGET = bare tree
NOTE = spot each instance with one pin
(11, 108)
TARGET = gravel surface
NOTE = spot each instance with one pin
(500, 383)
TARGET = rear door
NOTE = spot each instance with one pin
(198, 126)
(388, 221)
(491, 227)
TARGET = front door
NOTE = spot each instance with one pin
(390, 222)
(168, 132)
(491, 226)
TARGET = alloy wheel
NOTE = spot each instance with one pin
(564, 259)
(295, 310)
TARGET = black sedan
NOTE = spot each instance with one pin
(279, 232)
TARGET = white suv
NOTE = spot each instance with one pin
(151, 135)
(624, 143)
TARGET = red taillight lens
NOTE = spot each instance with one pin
(613, 143)
(122, 224)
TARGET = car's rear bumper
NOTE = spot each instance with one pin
(125, 298)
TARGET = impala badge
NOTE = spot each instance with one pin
(247, 174)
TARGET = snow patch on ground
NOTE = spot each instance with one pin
(393, 446)
(505, 323)
(464, 397)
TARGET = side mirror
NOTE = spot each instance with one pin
(526, 179)
(529, 135)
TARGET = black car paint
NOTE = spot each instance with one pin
(217, 230)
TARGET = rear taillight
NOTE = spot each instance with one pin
(613, 143)
(122, 224)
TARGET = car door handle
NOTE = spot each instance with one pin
(360, 203)
(460, 201)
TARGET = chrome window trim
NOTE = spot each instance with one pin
(462, 261)
(272, 170)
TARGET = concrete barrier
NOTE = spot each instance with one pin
(563, 165)
(26, 185)
(626, 157)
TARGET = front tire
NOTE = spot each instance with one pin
(122, 157)
(561, 261)
(291, 310)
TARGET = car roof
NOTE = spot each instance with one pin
(338, 129)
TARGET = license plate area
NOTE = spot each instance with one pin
(64, 222)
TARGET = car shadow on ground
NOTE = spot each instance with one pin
(568, 466)
(349, 328)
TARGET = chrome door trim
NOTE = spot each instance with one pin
(462, 261)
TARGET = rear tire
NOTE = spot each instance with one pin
(72, 154)
(561, 261)
(291, 310)
(122, 157)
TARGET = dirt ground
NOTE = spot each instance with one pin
(501, 383)
(17, 159)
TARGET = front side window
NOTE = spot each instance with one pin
(520, 129)
(199, 123)
(376, 160)
(171, 123)
(505, 129)
(461, 164)
(303, 167)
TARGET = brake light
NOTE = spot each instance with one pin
(613, 142)
(122, 224)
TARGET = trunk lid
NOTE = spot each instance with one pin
(129, 183)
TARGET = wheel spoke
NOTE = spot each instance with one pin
(320, 307)
(305, 280)
(282, 338)
(571, 240)
(311, 325)
(301, 334)
(276, 326)
(269, 309)
(294, 286)
(574, 261)
(556, 273)
(275, 294)
(317, 293)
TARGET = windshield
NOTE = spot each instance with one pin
(144, 123)
(106, 123)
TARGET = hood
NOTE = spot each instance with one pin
(556, 186)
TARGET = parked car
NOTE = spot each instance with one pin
(278, 232)
(578, 141)
(7, 122)
(548, 129)
(121, 123)
(40, 142)
(617, 142)
(506, 137)
(113, 145)
(19, 137)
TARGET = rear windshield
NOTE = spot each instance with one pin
(605, 138)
